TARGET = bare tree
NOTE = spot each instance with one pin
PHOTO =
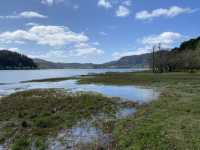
(153, 59)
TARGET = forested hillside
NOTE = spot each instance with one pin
(13, 60)
(184, 58)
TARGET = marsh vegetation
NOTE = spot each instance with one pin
(170, 122)
(29, 118)
(44, 118)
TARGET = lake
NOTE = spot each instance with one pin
(10, 76)
(10, 83)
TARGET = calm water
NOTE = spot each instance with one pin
(10, 76)
(11, 83)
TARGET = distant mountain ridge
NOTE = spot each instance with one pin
(43, 64)
(124, 62)
(129, 62)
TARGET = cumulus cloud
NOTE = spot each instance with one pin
(165, 38)
(84, 49)
(81, 52)
(74, 55)
(25, 15)
(53, 36)
(162, 12)
(31, 14)
(104, 3)
(53, 55)
(13, 49)
(122, 11)
(44, 35)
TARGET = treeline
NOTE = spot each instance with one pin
(13, 60)
(184, 58)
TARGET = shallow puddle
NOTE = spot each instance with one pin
(125, 112)
(83, 133)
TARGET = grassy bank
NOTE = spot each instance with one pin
(171, 122)
(139, 78)
(34, 115)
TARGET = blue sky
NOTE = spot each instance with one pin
(95, 30)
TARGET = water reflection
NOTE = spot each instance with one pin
(134, 93)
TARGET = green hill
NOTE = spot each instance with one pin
(12, 60)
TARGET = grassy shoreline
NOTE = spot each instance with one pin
(170, 122)
(139, 78)
(127, 78)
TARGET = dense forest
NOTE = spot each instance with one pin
(184, 58)
(12, 60)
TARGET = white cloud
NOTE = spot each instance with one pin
(76, 7)
(103, 33)
(118, 55)
(165, 38)
(57, 37)
(32, 24)
(31, 14)
(47, 2)
(87, 51)
(122, 11)
(163, 12)
(75, 55)
(53, 55)
(126, 3)
(44, 35)
(13, 49)
(25, 15)
(104, 3)
(82, 52)
(51, 2)
(96, 43)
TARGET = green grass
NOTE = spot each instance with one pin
(36, 114)
(170, 123)
(138, 78)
